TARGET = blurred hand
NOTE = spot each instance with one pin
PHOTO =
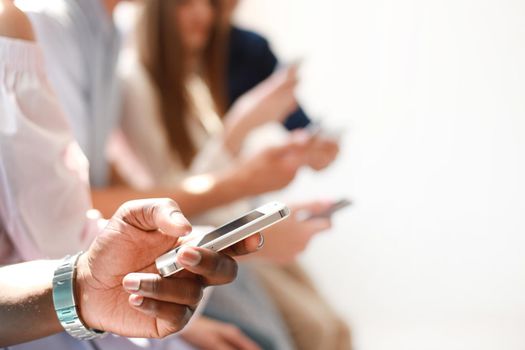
(117, 282)
(273, 168)
(323, 151)
(272, 100)
(289, 238)
(207, 334)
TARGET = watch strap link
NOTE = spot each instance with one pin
(64, 300)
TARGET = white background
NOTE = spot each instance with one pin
(432, 97)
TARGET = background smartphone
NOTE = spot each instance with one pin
(228, 234)
(340, 204)
(317, 129)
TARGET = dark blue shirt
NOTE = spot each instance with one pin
(250, 62)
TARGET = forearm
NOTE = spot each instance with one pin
(240, 120)
(194, 195)
(234, 135)
(26, 302)
(199, 193)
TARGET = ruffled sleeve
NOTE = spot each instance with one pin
(45, 203)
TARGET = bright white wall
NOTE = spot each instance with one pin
(432, 95)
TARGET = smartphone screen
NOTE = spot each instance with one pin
(226, 235)
(227, 228)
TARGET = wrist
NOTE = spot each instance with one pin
(82, 291)
(236, 181)
(68, 294)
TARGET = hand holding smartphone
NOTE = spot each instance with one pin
(317, 129)
(228, 234)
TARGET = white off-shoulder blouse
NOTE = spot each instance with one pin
(45, 203)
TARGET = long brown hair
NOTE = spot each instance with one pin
(161, 52)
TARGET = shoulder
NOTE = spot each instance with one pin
(54, 20)
(248, 40)
(252, 49)
(59, 31)
(14, 23)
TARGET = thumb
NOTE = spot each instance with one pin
(155, 215)
(313, 207)
(297, 143)
(278, 151)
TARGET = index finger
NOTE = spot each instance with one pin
(216, 268)
(197, 260)
(247, 246)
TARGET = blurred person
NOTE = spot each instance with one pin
(76, 32)
(81, 45)
(226, 76)
(32, 233)
(172, 123)
(250, 62)
(116, 268)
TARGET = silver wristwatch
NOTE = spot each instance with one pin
(64, 300)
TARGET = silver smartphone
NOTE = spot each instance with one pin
(227, 235)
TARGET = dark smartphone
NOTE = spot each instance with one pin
(340, 204)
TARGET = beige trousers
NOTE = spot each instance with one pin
(312, 323)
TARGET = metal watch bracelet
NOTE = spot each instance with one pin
(64, 300)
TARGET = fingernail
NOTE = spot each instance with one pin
(131, 283)
(136, 300)
(179, 219)
(189, 257)
(261, 242)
